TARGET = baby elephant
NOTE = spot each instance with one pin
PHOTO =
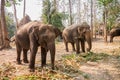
(31, 36)
(114, 32)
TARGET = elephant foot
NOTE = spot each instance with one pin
(32, 70)
(83, 51)
(43, 65)
(53, 68)
(88, 50)
(78, 52)
(19, 62)
(25, 61)
(67, 50)
(74, 50)
(111, 41)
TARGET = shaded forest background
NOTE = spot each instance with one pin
(101, 15)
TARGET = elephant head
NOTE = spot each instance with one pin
(84, 33)
(113, 33)
(82, 29)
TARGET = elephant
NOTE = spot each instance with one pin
(31, 36)
(75, 34)
(113, 33)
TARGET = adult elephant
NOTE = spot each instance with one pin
(31, 36)
(113, 33)
(75, 34)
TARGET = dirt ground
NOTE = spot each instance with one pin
(103, 70)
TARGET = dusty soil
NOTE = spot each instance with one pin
(108, 69)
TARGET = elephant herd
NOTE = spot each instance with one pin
(34, 34)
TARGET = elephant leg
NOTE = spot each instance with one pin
(43, 56)
(32, 57)
(77, 46)
(66, 44)
(83, 45)
(19, 49)
(73, 47)
(25, 58)
(52, 54)
(111, 38)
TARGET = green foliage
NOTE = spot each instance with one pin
(5, 78)
(51, 16)
(30, 77)
(56, 20)
(10, 24)
(113, 11)
(8, 2)
(113, 14)
(90, 56)
(72, 56)
(105, 2)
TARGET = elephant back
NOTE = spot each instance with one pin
(73, 26)
(70, 33)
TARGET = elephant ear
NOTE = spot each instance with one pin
(34, 30)
(57, 32)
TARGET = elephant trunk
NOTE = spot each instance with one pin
(88, 40)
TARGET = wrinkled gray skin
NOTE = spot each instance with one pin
(113, 33)
(76, 34)
(31, 36)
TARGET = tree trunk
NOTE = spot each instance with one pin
(4, 27)
(70, 13)
(105, 24)
(1, 36)
(15, 14)
(92, 18)
(24, 9)
(79, 10)
(55, 5)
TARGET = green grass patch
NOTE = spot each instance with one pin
(27, 77)
(90, 56)
(71, 56)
